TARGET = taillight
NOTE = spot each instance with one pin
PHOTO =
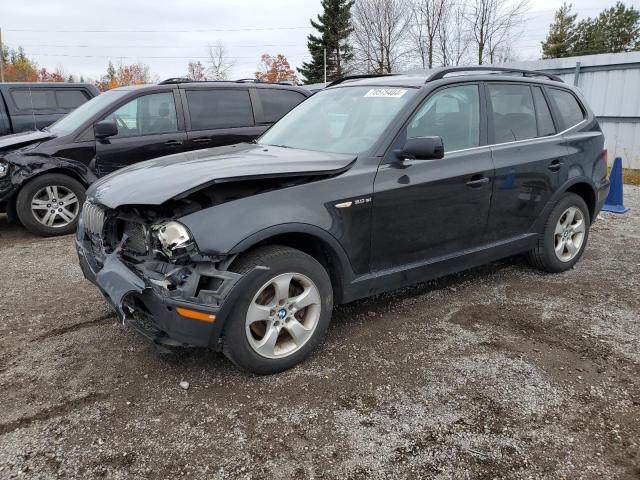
(605, 157)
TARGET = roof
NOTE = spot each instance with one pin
(421, 78)
(46, 84)
(216, 84)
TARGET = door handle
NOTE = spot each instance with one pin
(555, 166)
(201, 140)
(477, 181)
(173, 143)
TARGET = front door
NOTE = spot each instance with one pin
(428, 209)
(148, 127)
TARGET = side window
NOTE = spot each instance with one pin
(146, 115)
(219, 108)
(543, 114)
(569, 108)
(513, 114)
(453, 114)
(68, 99)
(36, 99)
(276, 103)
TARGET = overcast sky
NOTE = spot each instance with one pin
(82, 36)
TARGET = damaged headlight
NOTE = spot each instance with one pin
(173, 237)
(4, 168)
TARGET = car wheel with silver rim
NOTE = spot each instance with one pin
(50, 204)
(569, 234)
(565, 235)
(283, 312)
(283, 315)
(55, 206)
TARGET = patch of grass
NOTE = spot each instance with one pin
(630, 176)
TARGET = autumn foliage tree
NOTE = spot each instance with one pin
(47, 76)
(134, 74)
(18, 67)
(275, 69)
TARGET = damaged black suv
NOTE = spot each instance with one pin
(367, 186)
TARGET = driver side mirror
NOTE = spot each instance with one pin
(422, 148)
(105, 129)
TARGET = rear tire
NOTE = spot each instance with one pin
(565, 236)
(50, 204)
(283, 312)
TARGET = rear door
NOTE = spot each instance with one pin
(528, 155)
(219, 116)
(149, 126)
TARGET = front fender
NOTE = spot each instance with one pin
(26, 167)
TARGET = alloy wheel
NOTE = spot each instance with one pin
(569, 234)
(55, 206)
(283, 315)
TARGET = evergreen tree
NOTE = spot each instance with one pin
(616, 29)
(562, 34)
(334, 26)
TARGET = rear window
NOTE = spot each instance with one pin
(568, 106)
(37, 99)
(276, 103)
(211, 109)
(70, 99)
(48, 99)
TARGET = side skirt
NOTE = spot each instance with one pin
(394, 278)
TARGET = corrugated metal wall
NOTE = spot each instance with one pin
(611, 84)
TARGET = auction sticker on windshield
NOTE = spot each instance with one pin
(386, 92)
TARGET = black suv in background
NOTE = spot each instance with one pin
(44, 174)
(33, 106)
(369, 185)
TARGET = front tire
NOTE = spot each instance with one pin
(565, 235)
(282, 313)
(50, 204)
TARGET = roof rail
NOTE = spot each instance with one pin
(248, 80)
(441, 73)
(358, 77)
(173, 80)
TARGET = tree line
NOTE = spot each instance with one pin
(614, 30)
(386, 36)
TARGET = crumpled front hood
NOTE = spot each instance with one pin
(22, 139)
(155, 181)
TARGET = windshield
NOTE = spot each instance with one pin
(84, 112)
(339, 120)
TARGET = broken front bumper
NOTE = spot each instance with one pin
(151, 309)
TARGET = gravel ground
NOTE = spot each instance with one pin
(501, 372)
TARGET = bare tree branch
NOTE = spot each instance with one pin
(220, 64)
(380, 30)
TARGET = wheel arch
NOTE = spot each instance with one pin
(311, 240)
(587, 192)
(584, 187)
